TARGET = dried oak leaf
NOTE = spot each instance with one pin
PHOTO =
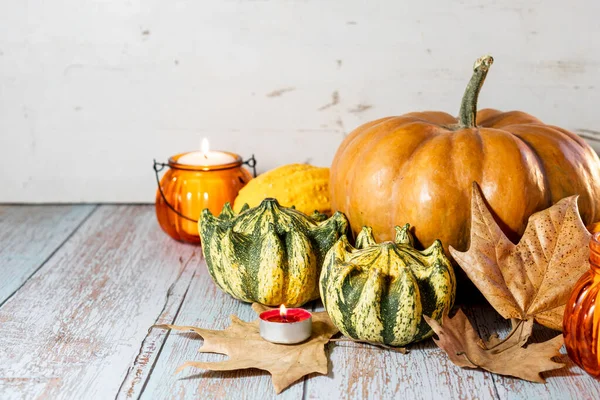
(459, 340)
(241, 341)
(532, 279)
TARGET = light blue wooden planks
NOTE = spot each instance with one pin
(78, 328)
(29, 235)
(73, 330)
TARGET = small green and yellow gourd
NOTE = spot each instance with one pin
(379, 292)
(268, 254)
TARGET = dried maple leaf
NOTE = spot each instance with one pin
(552, 319)
(459, 340)
(532, 279)
(241, 341)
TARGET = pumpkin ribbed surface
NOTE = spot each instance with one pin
(268, 254)
(304, 186)
(420, 168)
(379, 292)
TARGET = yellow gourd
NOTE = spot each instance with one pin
(304, 186)
(594, 227)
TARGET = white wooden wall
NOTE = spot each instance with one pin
(92, 90)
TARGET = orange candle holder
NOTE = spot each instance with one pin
(185, 190)
(581, 321)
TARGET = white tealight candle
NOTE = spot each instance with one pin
(285, 326)
(205, 157)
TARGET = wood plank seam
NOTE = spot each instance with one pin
(138, 372)
(473, 319)
(36, 270)
(313, 308)
(166, 336)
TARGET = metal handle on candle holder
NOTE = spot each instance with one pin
(157, 168)
(251, 162)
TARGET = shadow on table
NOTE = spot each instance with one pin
(240, 373)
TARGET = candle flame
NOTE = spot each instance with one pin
(204, 146)
(283, 311)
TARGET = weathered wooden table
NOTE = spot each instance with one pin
(80, 286)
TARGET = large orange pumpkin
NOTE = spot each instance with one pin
(418, 168)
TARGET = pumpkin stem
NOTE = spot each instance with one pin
(467, 116)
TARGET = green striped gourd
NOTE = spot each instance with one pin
(268, 254)
(379, 292)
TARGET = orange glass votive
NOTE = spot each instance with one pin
(185, 190)
(581, 321)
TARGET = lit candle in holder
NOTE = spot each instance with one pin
(285, 326)
(197, 180)
(205, 157)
